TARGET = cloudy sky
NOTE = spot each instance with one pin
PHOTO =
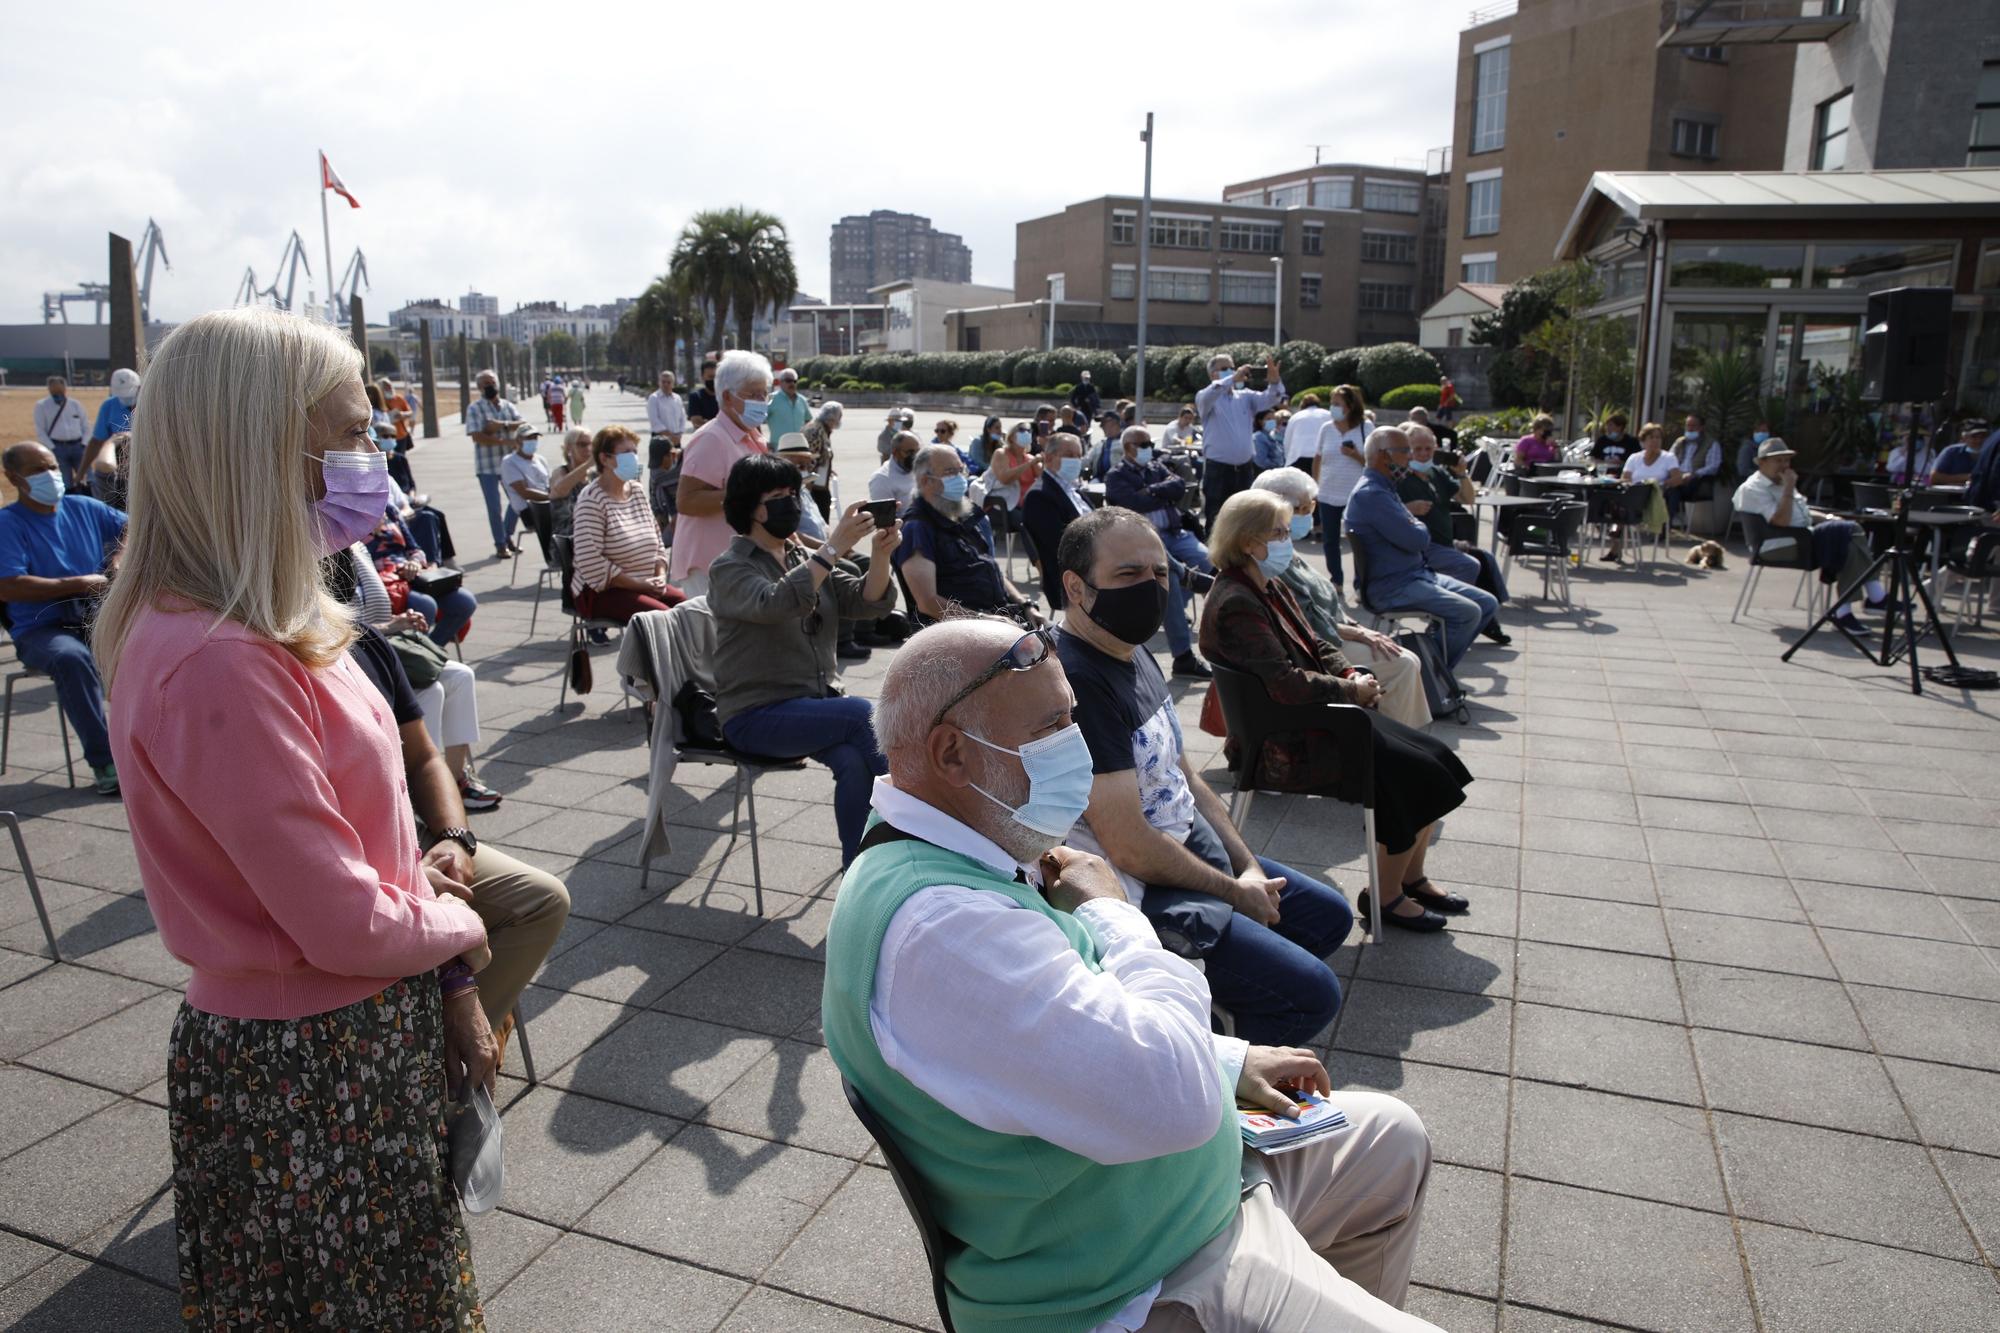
(555, 151)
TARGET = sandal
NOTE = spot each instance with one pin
(1425, 920)
(1438, 900)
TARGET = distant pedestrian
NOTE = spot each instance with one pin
(576, 402)
(114, 414)
(702, 402)
(554, 398)
(790, 412)
(59, 426)
(1084, 399)
(494, 425)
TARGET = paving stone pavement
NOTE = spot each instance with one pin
(1717, 1048)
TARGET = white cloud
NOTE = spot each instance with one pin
(534, 152)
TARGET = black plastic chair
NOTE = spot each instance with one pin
(1799, 556)
(1390, 616)
(1252, 716)
(1869, 495)
(1550, 537)
(1629, 505)
(937, 1245)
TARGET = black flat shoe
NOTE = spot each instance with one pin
(1187, 664)
(850, 651)
(1437, 900)
(1429, 921)
(1496, 634)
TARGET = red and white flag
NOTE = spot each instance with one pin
(330, 180)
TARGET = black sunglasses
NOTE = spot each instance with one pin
(1029, 651)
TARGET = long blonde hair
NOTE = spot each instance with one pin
(221, 486)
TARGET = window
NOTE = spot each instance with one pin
(1124, 282)
(1248, 288)
(1737, 264)
(1988, 279)
(1289, 196)
(1694, 138)
(1256, 238)
(1058, 287)
(1391, 196)
(1715, 54)
(1489, 100)
(1873, 266)
(1385, 296)
(1312, 238)
(1389, 247)
(1482, 205)
(1179, 233)
(1829, 141)
(1985, 150)
(1479, 270)
(1124, 227)
(1333, 192)
(1308, 291)
(1177, 284)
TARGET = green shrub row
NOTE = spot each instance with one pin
(1406, 396)
(1508, 423)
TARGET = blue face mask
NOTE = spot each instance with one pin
(528, 447)
(1277, 557)
(1059, 778)
(755, 412)
(1145, 458)
(954, 487)
(1760, 436)
(1301, 525)
(1420, 465)
(46, 487)
(627, 467)
(1069, 469)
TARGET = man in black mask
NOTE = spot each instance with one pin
(702, 402)
(1138, 483)
(1261, 928)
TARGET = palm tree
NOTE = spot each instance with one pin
(649, 327)
(735, 260)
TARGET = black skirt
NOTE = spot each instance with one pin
(1418, 779)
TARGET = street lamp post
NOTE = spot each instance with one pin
(1052, 317)
(1277, 302)
(1145, 247)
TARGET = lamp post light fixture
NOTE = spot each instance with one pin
(1277, 301)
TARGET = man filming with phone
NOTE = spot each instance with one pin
(1229, 409)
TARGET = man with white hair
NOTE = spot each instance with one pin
(946, 556)
(1001, 1008)
(1429, 489)
(701, 533)
(1394, 543)
(495, 427)
(1228, 420)
(1051, 505)
(666, 415)
(790, 411)
(896, 479)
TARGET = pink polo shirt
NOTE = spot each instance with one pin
(711, 452)
(272, 822)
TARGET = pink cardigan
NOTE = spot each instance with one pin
(272, 822)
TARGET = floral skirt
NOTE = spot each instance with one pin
(311, 1185)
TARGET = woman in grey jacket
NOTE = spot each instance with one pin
(778, 690)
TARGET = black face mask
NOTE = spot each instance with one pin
(781, 516)
(490, 390)
(1132, 613)
(60, 398)
(904, 461)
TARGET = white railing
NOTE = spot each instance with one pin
(1488, 13)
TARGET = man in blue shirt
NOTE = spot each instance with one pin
(54, 551)
(1149, 488)
(114, 417)
(1393, 542)
(1955, 462)
(1228, 418)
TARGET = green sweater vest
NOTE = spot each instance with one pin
(1049, 1240)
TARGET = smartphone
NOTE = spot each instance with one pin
(883, 512)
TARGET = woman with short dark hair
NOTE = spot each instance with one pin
(778, 690)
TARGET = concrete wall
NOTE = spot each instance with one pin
(1914, 67)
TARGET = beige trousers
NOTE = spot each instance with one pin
(1323, 1241)
(1402, 679)
(524, 910)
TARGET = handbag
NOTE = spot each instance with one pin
(438, 581)
(699, 723)
(1211, 714)
(579, 664)
(423, 661)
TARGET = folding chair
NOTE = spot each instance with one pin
(13, 823)
(7, 720)
(1252, 716)
(937, 1245)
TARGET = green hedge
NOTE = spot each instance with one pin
(1325, 392)
(1509, 423)
(1387, 366)
(1406, 396)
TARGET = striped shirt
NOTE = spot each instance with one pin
(370, 599)
(486, 458)
(613, 537)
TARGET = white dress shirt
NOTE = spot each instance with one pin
(66, 417)
(1075, 496)
(665, 413)
(1302, 434)
(984, 1005)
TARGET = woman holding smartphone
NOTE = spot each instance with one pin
(1339, 470)
(331, 1001)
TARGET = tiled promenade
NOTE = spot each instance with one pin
(1717, 1049)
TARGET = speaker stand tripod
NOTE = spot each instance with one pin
(1905, 582)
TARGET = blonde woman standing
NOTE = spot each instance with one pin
(331, 999)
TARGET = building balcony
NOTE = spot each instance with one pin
(1710, 23)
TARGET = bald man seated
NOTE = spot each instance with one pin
(1048, 1068)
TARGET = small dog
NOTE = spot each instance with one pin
(1707, 555)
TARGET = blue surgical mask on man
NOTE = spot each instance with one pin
(1145, 457)
(1277, 557)
(954, 487)
(45, 488)
(1420, 465)
(1059, 781)
(755, 411)
(1069, 469)
(1302, 526)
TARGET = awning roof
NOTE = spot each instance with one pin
(1805, 195)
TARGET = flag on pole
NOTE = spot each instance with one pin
(330, 180)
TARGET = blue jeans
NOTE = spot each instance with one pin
(1329, 524)
(448, 616)
(69, 462)
(1478, 567)
(1274, 980)
(423, 526)
(1183, 547)
(838, 732)
(1464, 609)
(499, 516)
(79, 690)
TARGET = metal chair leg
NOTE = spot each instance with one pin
(736, 806)
(1374, 877)
(62, 727)
(1239, 806)
(527, 1052)
(7, 723)
(1743, 598)
(34, 886)
(756, 863)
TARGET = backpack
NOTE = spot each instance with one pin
(1441, 687)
